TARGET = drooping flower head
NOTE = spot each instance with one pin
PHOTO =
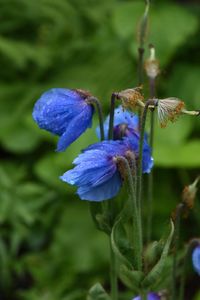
(196, 259)
(170, 109)
(66, 113)
(150, 296)
(131, 98)
(96, 172)
(125, 124)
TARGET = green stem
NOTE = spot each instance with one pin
(176, 246)
(150, 177)
(98, 106)
(111, 120)
(140, 158)
(142, 34)
(113, 274)
(137, 238)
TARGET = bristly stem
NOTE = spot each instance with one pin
(137, 237)
(178, 213)
(140, 158)
(150, 177)
(98, 106)
(113, 274)
(111, 120)
(142, 33)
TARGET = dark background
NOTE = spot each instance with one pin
(49, 247)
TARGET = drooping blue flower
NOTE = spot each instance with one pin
(125, 124)
(65, 113)
(150, 296)
(196, 259)
(96, 173)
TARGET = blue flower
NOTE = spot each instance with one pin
(150, 296)
(125, 124)
(196, 259)
(96, 173)
(65, 113)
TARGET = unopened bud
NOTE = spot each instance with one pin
(152, 64)
(189, 193)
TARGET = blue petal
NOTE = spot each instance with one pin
(75, 128)
(196, 259)
(91, 176)
(121, 116)
(105, 191)
(150, 296)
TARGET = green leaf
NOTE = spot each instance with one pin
(97, 292)
(156, 273)
(132, 279)
(120, 245)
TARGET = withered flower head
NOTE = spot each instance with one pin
(131, 98)
(169, 109)
(152, 64)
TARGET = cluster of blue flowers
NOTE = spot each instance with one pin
(68, 113)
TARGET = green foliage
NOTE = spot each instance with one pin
(49, 248)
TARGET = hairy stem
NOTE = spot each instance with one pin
(111, 120)
(179, 211)
(113, 275)
(150, 177)
(140, 158)
(98, 106)
(137, 231)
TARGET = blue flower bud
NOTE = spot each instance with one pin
(196, 259)
(150, 296)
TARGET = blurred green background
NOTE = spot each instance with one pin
(49, 247)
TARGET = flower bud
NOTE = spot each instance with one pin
(189, 193)
(152, 64)
(196, 259)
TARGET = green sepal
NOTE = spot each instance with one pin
(120, 245)
(156, 273)
(97, 292)
(132, 279)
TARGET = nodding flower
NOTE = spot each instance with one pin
(97, 173)
(66, 113)
(170, 109)
(152, 64)
(131, 98)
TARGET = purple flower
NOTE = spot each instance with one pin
(125, 124)
(196, 259)
(96, 172)
(65, 113)
(150, 296)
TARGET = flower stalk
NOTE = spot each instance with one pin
(137, 231)
(96, 102)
